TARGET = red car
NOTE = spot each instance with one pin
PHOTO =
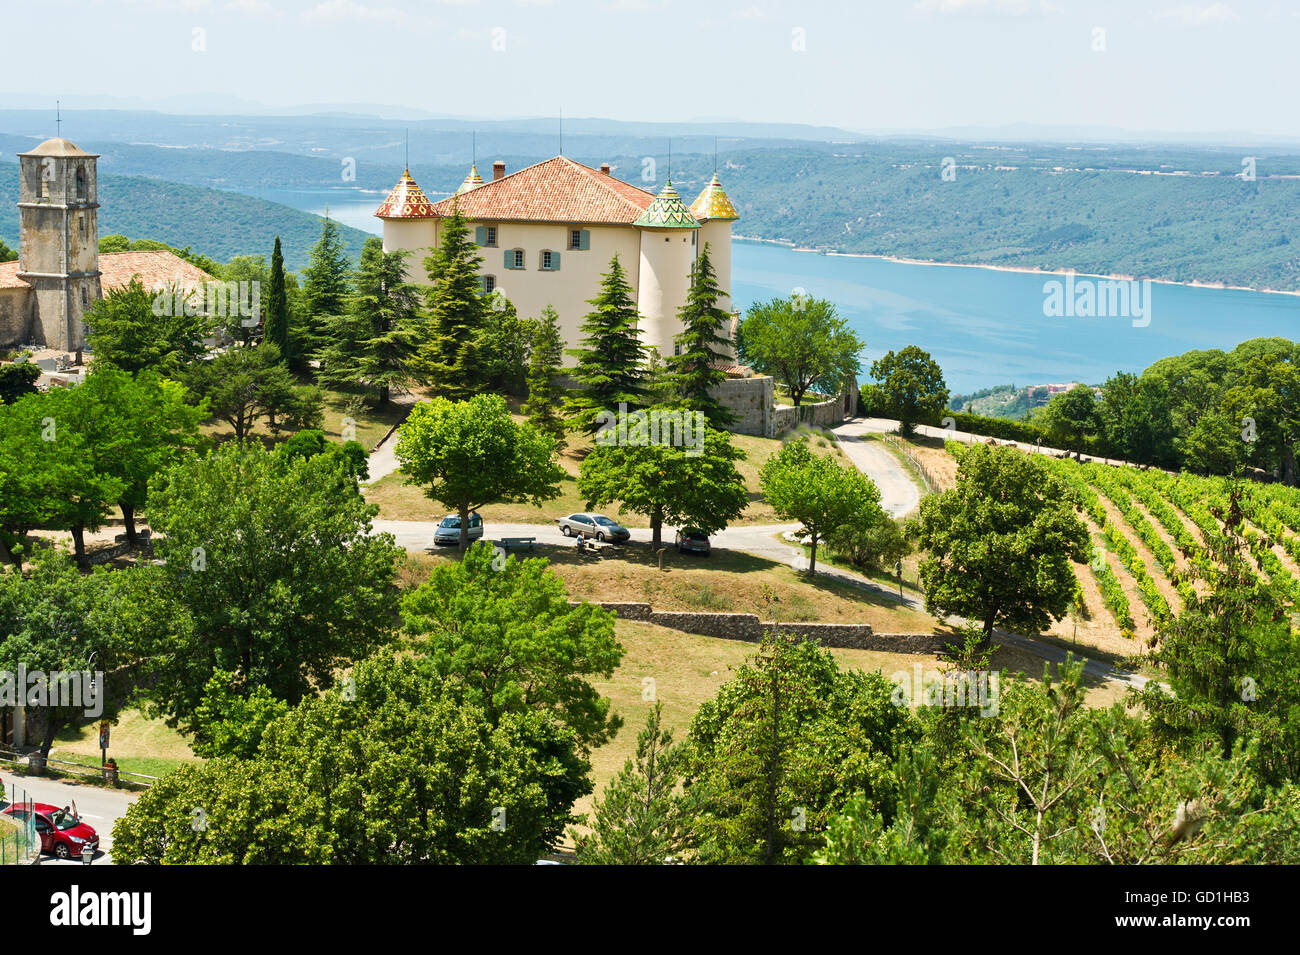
(61, 832)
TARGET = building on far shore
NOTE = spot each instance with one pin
(59, 272)
(546, 235)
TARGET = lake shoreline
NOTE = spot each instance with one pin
(1023, 269)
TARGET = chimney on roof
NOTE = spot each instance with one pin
(498, 170)
(604, 167)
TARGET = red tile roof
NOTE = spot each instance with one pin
(156, 268)
(557, 190)
(9, 276)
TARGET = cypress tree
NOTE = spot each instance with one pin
(277, 304)
(609, 368)
(547, 351)
(456, 314)
(703, 349)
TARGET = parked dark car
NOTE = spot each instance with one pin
(593, 525)
(60, 832)
(693, 540)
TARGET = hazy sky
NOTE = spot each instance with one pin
(1178, 65)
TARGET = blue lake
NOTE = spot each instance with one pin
(984, 327)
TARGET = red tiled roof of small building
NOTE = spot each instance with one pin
(157, 268)
(557, 190)
(9, 276)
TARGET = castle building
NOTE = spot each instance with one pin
(546, 235)
(59, 272)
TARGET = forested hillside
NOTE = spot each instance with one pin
(216, 223)
(1184, 216)
(1166, 212)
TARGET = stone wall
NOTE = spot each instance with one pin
(15, 316)
(750, 400)
(822, 414)
(748, 627)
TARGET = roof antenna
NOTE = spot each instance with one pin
(408, 150)
(58, 120)
(715, 155)
(473, 149)
(670, 160)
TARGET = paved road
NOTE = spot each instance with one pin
(898, 492)
(98, 806)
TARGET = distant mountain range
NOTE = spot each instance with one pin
(1172, 212)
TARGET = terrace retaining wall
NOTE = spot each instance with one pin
(749, 628)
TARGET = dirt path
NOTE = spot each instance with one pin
(898, 492)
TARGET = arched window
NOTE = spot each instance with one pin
(81, 184)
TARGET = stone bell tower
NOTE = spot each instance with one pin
(58, 241)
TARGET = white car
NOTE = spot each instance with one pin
(448, 532)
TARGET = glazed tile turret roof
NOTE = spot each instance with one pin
(557, 190)
(406, 201)
(713, 203)
(667, 211)
(472, 181)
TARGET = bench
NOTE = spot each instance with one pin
(517, 543)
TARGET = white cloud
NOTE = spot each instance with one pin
(261, 9)
(1199, 14)
(338, 11)
(1005, 8)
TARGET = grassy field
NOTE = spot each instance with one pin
(139, 744)
(371, 423)
(725, 581)
(399, 501)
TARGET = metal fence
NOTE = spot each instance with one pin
(34, 764)
(19, 844)
(927, 478)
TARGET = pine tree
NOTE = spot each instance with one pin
(376, 344)
(547, 351)
(609, 369)
(277, 304)
(456, 314)
(325, 286)
(703, 350)
(641, 817)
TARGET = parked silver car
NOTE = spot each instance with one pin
(593, 525)
(448, 532)
(692, 539)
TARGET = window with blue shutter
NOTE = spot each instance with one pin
(514, 258)
(579, 239)
(550, 261)
(480, 235)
